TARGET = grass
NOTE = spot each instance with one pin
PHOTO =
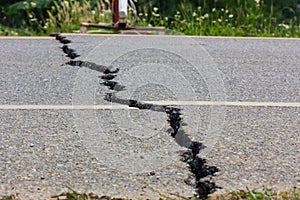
(9, 197)
(66, 16)
(63, 16)
(8, 31)
(263, 194)
(244, 20)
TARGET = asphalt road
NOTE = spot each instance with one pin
(240, 97)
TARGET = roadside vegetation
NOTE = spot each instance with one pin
(264, 194)
(268, 18)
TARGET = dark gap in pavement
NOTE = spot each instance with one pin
(93, 66)
(200, 170)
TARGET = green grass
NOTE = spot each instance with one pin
(8, 31)
(9, 197)
(66, 16)
(244, 20)
(263, 194)
(63, 16)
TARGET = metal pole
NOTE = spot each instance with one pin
(115, 8)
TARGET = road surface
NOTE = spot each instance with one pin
(239, 97)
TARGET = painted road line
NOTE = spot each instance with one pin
(66, 107)
(26, 38)
(226, 103)
(160, 103)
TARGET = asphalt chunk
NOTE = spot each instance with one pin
(139, 105)
(66, 49)
(65, 41)
(111, 71)
(174, 119)
(110, 84)
(108, 76)
(76, 63)
(72, 55)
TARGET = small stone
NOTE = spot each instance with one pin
(152, 173)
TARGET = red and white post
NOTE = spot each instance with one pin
(120, 12)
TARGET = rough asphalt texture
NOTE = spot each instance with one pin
(43, 152)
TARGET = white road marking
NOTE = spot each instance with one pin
(26, 38)
(65, 107)
(160, 103)
(225, 103)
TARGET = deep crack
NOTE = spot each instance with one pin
(202, 172)
(93, 66)
(174, 119)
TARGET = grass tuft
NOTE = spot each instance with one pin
(264, 194)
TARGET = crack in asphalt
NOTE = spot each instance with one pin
(93, 66)
(202, 173)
